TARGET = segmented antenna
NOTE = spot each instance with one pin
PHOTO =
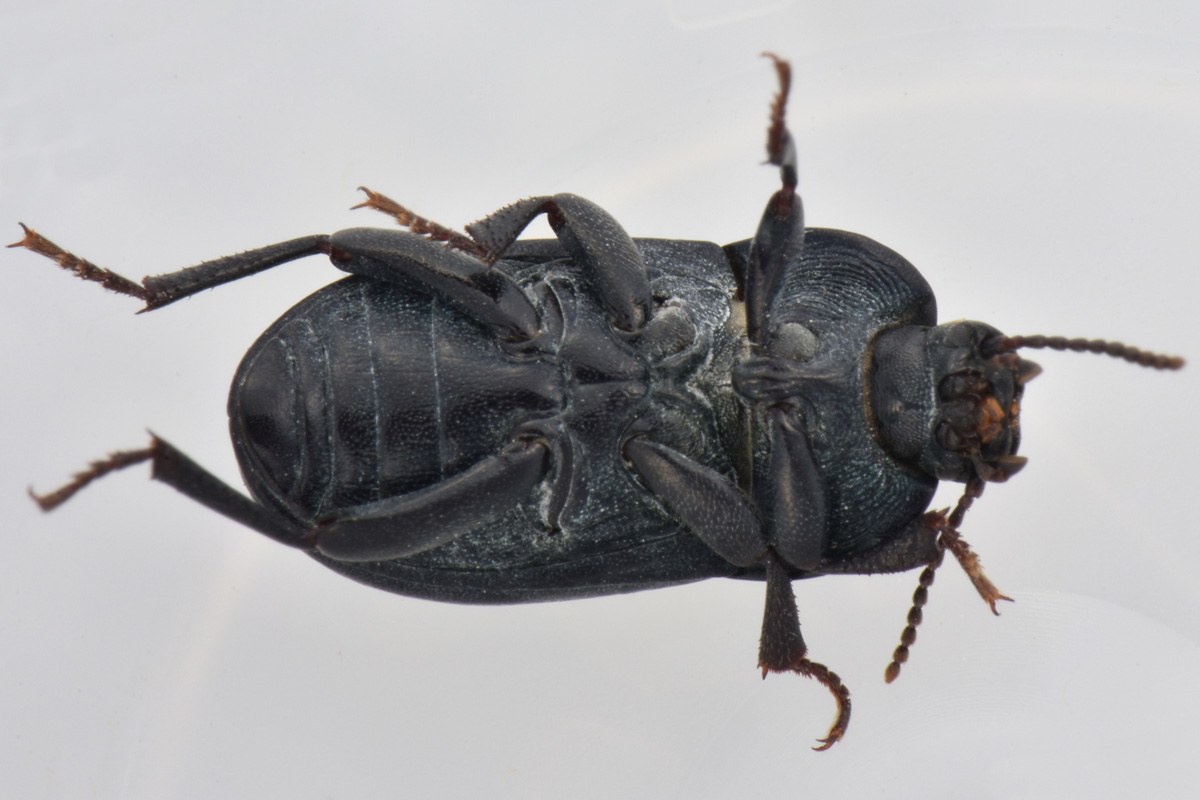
(1145, 358)
(948, 539)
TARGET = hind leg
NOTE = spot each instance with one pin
(181, 473)
(412, 523)
(387, 529)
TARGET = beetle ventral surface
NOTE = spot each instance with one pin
(478, 418)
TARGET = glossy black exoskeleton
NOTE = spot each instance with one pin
(478, 419)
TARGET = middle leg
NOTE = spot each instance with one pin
(713, 508)
(594, 239)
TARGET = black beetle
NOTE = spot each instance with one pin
(480, 419)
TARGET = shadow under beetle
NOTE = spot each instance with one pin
(479, 419)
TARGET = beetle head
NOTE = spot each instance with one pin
(948, 405)
(947, 400)
(976, 428)
(959, 385)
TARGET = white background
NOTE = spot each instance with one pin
(1037, 161)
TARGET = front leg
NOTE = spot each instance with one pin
(946, 526)
(914, 546)
(774, 379)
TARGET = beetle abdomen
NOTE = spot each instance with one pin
(396, 392)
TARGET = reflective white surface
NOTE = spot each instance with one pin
(1039, 167)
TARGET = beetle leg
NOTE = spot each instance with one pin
(181, 473)
(707, 502)
(913, 547)
(797, 493)
(950, 539)
(777, 244)
(397, 256)
(780, 235)
(391, 528)
(159, 290)
(420, 225)
(594, 239)
(782, 648)
(487, 295)
(969, 561)
(781, 148)
(716, 511)
(412, 523)
(588, 232)
(772, 379)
